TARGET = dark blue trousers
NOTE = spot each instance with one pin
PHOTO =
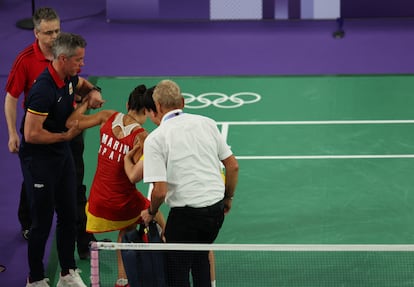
(51, 186)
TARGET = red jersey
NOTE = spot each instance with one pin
(114, 202)
(27, 66)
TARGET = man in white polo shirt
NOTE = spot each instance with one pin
(183, 159)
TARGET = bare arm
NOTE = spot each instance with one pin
(35, 133)
(159, 218)
(133, 160)
(10, 112)
(133, 169)
(232, 173)
(88, 121)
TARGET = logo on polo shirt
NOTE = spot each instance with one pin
(70, 88)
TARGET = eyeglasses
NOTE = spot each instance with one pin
(50, 32)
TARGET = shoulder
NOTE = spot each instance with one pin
(26, 56)
(105, 115)
(43, 87)
(27, 52)
(101, 117)
(200, 118)
(109, 112)
(23, 59)
(141, 134)
(44, 80)
(152, 136)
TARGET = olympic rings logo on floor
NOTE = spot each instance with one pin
(220, 100)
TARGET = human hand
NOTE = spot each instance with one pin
(14, 143)
(95, 100)
(146, 217)
(129, 156)
(73, 130)
(227, 204)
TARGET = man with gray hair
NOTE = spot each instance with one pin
(46, 159)
(28, 65)
(183, 158)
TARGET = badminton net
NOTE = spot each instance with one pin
(269, 265)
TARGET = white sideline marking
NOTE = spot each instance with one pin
(350, 122)
(329, 156)
(225, 130)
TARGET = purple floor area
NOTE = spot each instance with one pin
(186, 49)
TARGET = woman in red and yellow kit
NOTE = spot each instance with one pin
(114, 202)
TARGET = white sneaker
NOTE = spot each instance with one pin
(122, 282)
(73, 279)
(41, 283)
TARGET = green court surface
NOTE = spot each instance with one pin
(323, 160)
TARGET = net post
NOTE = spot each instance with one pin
(94, 264)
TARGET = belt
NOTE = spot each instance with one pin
(219, 205)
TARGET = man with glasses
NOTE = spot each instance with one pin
(28, 65)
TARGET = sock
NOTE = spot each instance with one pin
(213, 283)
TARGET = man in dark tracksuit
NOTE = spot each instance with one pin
(46, 158)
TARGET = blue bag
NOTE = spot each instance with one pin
(144, 268)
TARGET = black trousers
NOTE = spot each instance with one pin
(83, 238)
(24, 209)
(192, 225)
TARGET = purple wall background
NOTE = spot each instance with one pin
(377, 8)
(193, 10)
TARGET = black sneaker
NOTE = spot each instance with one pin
(26, 233)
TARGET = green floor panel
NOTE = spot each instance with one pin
(304, 200)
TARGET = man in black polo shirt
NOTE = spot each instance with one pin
(46, 158)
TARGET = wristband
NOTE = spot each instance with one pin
(228, 197)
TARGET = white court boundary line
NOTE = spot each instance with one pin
(225, 130)
(358, 156)
(349, 122)
(252, 247)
